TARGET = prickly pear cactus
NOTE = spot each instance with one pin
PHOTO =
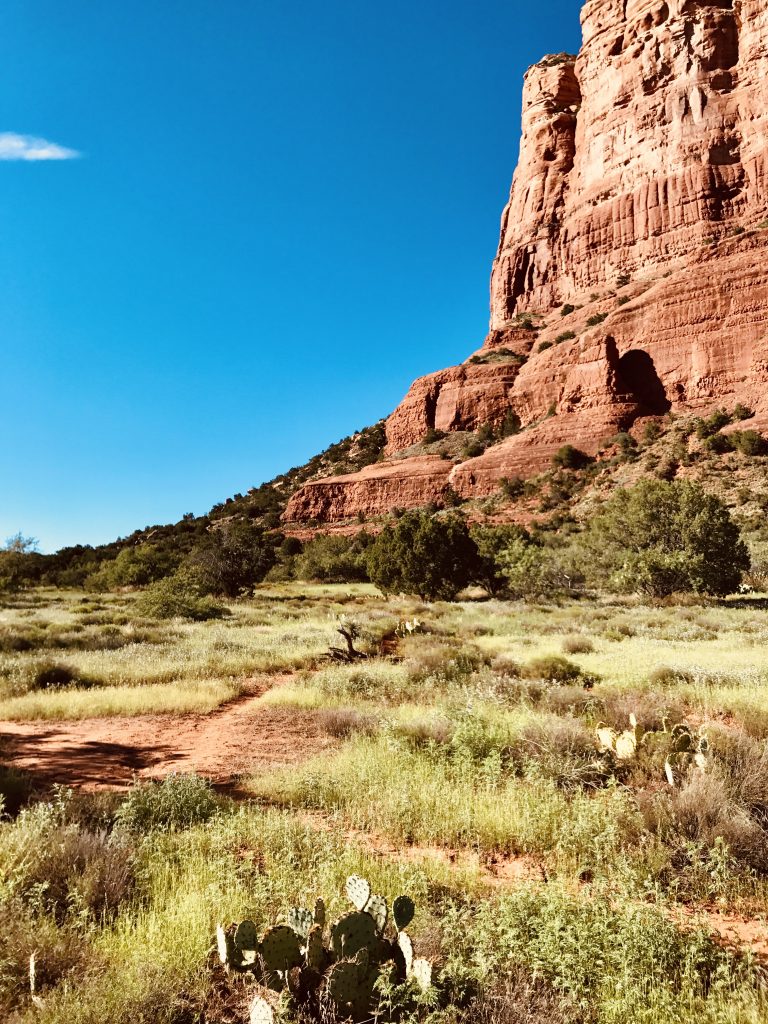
(315, 953)
(319, 915)
(294, 960)
(351, 933)
(406, 948)
(261, 1012)
(358, 890)
(403, 910)
(246, 937)
(300, 920)
(377, 908)
(280, 948)
(421, 972)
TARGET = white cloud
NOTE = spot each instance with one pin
(27, 147)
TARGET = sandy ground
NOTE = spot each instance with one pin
(106, 753)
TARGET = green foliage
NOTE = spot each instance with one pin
(351, 969)
(233, 558)
(651, 432)
(432, 556)
(567, 309)
(544, 346)
(179, 801)
(20, 564)
(333, 558)
(134, 567)
(490, 542)
(741, 412)
(596, 319)
(749, 442)
(472, 449)
(569, 457)
(708, 427)
(432, 436)
(657, 538)
(529, 569)
(179, 596)
(565, 336)
(512, 487)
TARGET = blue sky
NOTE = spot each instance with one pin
(281, 215)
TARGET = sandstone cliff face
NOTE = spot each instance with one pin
(641, 199)
(653, 138)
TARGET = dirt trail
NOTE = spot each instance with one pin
(105, 753)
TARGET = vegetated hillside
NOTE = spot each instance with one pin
(262, 505)
(721, 452)
(631, 276)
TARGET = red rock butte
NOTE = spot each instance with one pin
(631, 277)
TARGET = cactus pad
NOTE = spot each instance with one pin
(352, 932)
(343, 982)
(320, 912)
(406, 948)
(315, 954)
(358, 890)
(421, 972)
(261, 1012)
(300, 920)
(402, 912)
(280, 948)
(246, 936)
(377, 908)
(222, 943)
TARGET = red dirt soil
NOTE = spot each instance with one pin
(106, 753)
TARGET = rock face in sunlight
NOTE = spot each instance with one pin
(631, 277)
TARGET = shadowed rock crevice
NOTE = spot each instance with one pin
(637, 376)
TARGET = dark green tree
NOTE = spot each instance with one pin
(491, 541)
(660, 537)
(432, 556)
(234, 557)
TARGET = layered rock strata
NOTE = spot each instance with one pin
(632, 269)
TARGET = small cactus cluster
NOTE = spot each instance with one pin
(623, 745)
(689, 750)
(295, 959)
(407, 627)
(686, 748)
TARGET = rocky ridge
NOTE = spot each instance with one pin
(631, 277)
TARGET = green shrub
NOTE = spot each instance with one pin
(179, 801)
(431, 556)
(544, 346)
(333, 558)
(652, 432)
(491, 541)
(719, 444)
(472, 449)
(749, 442)
(553, 669)
(432, 436)
(596, 319)
(712, 425)
(567, 309)
(657, 538)
(742, 412)
(569, 457)
(232, 558)
(178, 596)
(511, 487)
(565, 336)
(530, 570)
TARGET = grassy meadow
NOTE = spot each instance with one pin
(553, 880)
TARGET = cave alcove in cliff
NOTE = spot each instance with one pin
(638, 377)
